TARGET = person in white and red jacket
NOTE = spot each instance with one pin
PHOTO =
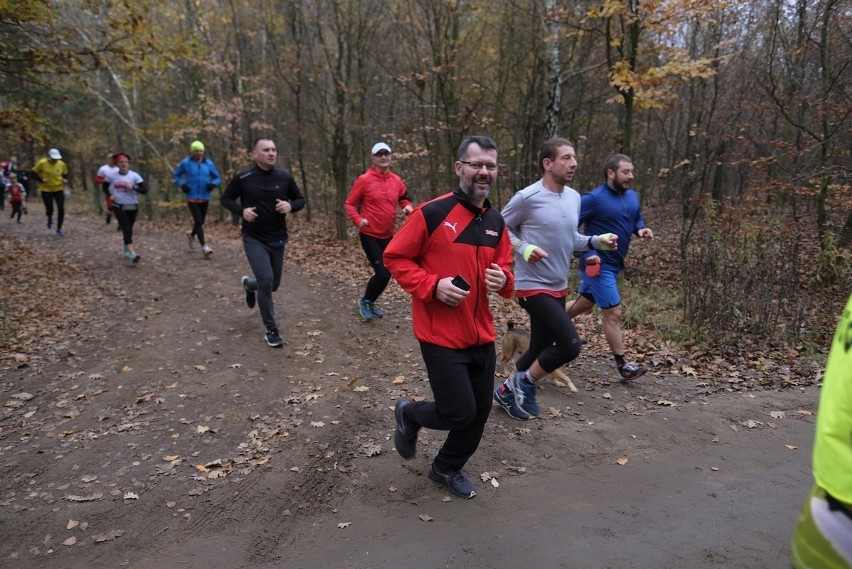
(449, 254)
(371, 205)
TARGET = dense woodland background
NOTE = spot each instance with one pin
(737, 114)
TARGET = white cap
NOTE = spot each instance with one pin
(54, 153)
(378, 147)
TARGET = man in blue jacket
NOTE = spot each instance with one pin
(611, 207)
(197, 177)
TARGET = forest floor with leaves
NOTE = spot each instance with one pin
(145, 423)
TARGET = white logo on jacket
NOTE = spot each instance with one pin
(452, 226)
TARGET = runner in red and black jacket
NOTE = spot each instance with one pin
(445, 237)
(455, 235)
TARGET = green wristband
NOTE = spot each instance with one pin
(603, 246)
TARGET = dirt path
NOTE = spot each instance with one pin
(154, 428)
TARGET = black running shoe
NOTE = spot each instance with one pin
(273, 338)
(251, 296)
(630, 371)
(405, 434)
(454, 480)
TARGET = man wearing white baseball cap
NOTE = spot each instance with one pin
(371, 205)
(52, 175)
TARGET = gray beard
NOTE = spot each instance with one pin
(471, 194)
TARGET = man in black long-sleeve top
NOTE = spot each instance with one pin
(266, 195)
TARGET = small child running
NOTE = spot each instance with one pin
(17, 196)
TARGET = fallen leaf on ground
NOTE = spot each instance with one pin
(343, 525)
(107, 536)
(425, 517)
(70, 541)
(88, 498)
(622, 461)
(791, 447)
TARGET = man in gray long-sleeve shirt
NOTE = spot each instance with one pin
(542, 220)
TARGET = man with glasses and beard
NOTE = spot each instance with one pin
(449, 254)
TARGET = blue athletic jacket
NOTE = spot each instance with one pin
(201, 177)
(606, 210)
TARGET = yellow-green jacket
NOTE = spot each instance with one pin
(52, 175)
(833, 442)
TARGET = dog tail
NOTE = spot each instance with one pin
(510, 325)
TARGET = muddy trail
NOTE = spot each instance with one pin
(146, 423)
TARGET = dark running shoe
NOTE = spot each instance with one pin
(524, 393)
(365, 309)
(630, 371)
(454, 480)
(405, 434)
(376, 311)
(273, 338)
(251, 296)
(507, 402)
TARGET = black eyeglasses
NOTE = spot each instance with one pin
(382, 153)
(480, 165)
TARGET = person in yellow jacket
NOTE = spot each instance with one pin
(823, 536)
(52, 174)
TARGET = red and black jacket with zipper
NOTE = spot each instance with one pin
(445, 237)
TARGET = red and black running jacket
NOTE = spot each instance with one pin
(445, 237)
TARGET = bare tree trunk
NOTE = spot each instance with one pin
(554, 71)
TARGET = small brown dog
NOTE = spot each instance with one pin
(516, 341)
